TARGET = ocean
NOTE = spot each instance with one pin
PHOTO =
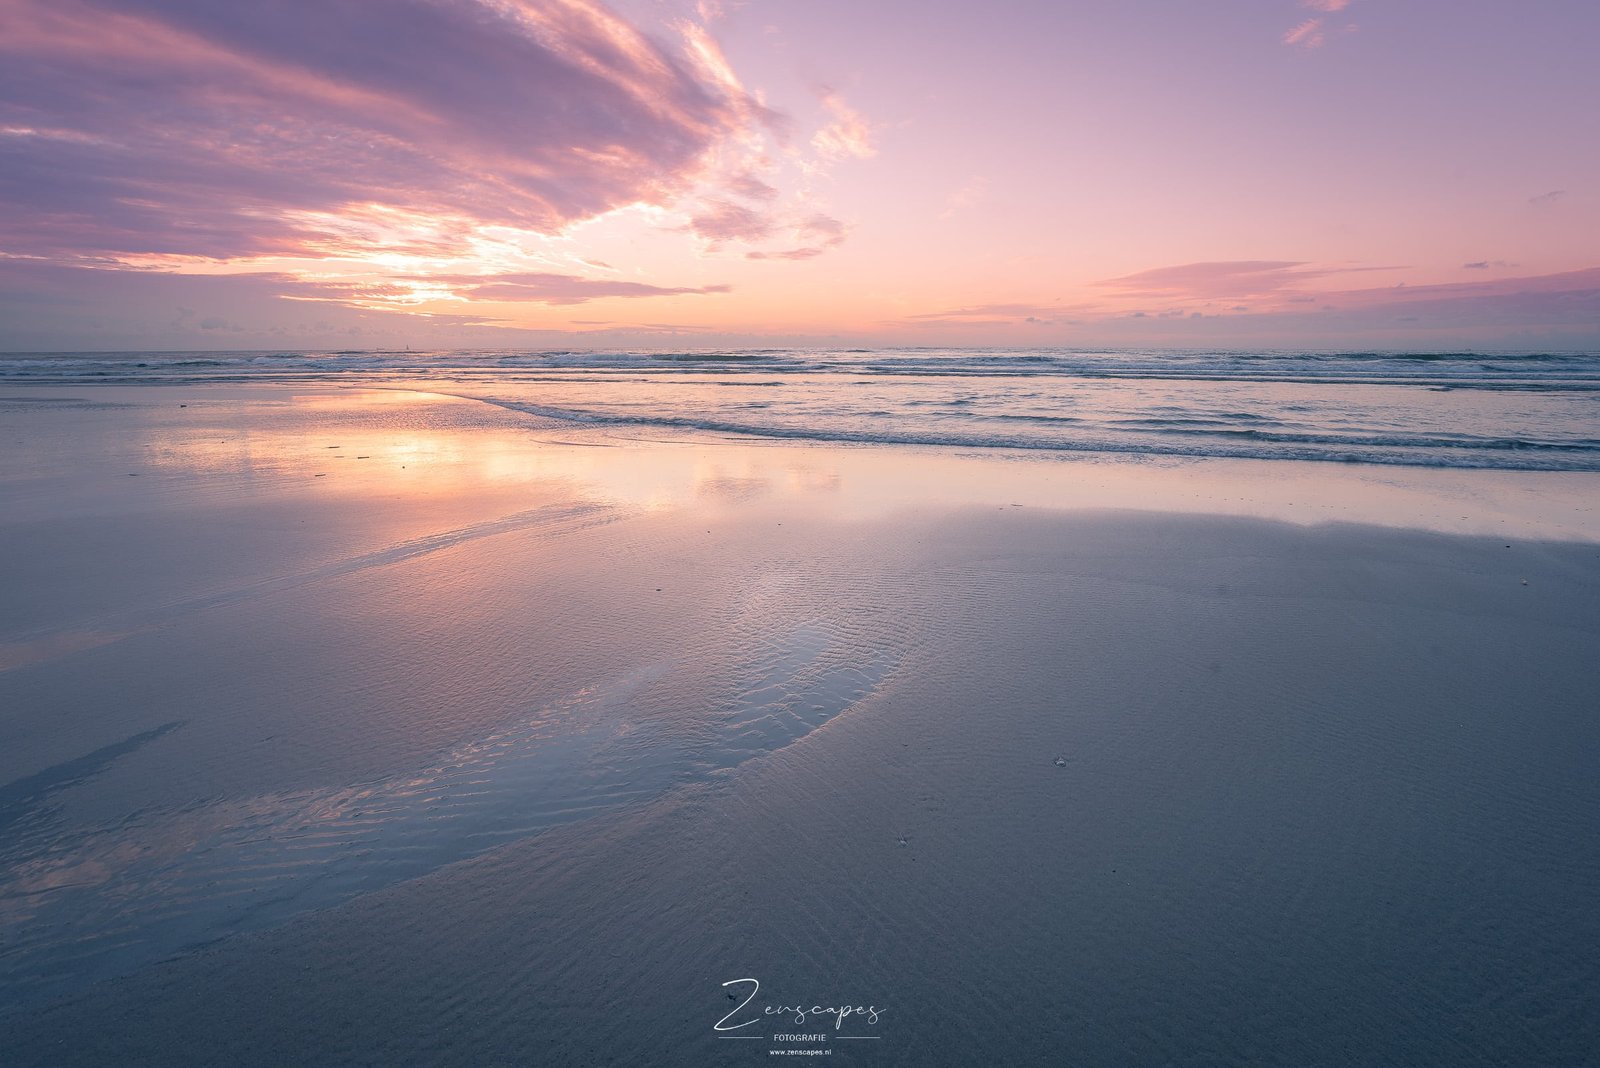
(1528, 411)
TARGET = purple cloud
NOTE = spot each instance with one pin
(559, 288)
(848, 135)
(1230, 280)
(805, 253)
(816, 234)
(1569, 301)
(751, 188)
(722, 220)
(1572, 287)
(996, 314)
(226, 129)
(1308, 34)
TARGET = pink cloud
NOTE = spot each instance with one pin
(806, 252)
(750, 187)
(997, 314)
(848, 135)
(823, 228)
(1308, 34)
(215, 129)
(560, 288)
(722, 220)
(1568, 300)
(1315, 32)
(528, 287)
(1583, 285)
(1230, 280)
(1564, 304)
(815, 234)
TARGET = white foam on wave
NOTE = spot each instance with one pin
(1534, 411)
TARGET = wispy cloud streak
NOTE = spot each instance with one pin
(847, 135)
(1228, 280)
(1314, 32)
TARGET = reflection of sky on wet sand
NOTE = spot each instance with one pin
(421, 447)
(674, 470)
(556, 691)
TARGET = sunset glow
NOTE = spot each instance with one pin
(512, 173)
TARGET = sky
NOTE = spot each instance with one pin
(354, 174)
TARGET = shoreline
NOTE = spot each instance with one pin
(1454, 410)
(1547, 505)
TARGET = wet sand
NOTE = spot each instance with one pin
(373, 727)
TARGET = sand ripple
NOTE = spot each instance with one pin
(88, 905)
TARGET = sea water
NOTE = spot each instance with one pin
(1515, 411)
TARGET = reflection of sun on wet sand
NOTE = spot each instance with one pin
(491, 746)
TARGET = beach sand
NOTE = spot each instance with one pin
(382, 727)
